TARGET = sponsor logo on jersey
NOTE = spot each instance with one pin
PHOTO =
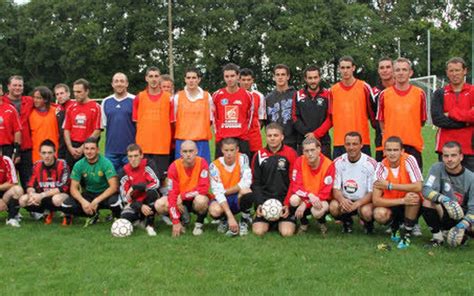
(100, 173)
(224, 102)
(350, 186)
(281, 164)
(80, 119)
(328, 180)
(238, 102)
(447, 187)
(204, 174)
(320, 101)
(231, 113)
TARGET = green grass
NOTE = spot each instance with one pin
(40, 259)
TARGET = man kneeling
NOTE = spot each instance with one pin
(396, 195)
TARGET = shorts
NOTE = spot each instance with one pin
(159, 164)
(118, 160)
(290, 218)
(232, 201)
(202, 146)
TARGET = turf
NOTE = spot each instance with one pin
(40, 259)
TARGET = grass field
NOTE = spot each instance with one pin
(38, 259)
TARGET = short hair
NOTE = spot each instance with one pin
(231, 67)
(45, 93)
(166, 77)
(383, 59)
(354, 134)
(62, 85)
(456, 60)
(189, 142)
(134, 147)
(311, 68)
(309, 141)
(247, 72)
(15, 77)
(274, 125)
(230, 141)
(94, 140)
(453, 144)
(193, 70)
(403, 60)
(152, 68)
(347, 58)
(48, 143)
(83, 82)
(120, 73)
(394, 139)
(282, 66)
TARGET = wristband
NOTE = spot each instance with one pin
(389, 186)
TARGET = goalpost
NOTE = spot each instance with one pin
(429, 84)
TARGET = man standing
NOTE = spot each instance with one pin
(167, 84)
(311, 111)
(233, 111)
(152, 111)
(193, 113)
(271, 170)
(279, 103)
(402, 110)
(385, 71)
(395, 196)
(94, 185)
(452, 111)
(352, 190)
(117, 119)
(83, 120)
(351, 107)
(62, 93)
(10, 130)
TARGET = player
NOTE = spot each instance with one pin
(452, 111)
(43, 121)
(139, 189)
(231, 178)
(351, 107)
(83, 120)
(449, 195)
(385, 72)
(312, 182)
(152, 111)
(63, 99)
(10, 130)
(8, 189)
(271, 169)
(167, 83)
(233, 111)
(94, 185)
(310, 111)
(279, 103)
(395, 196)
(117, 119)
(403, 105)
(48, 186)
(352, 189)
(246, 81)
(188, 188)
(192, 109)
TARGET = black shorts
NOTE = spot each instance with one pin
(273, 224)
(398, 214)
(159, 164)
(447, 222)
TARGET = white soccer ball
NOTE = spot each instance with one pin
(121, 228)
(271, 209)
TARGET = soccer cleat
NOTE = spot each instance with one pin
(150, 230)
(36, 216)
(416, 230)
(303, 228)
(346, 227)
(243, 228)
(197, 229)
(13, 222)
(434, 243)
(67, 220)
(404, 243)
(223, 226)
(230, 233)
(395, 237)
(92, 220)
(49, 218)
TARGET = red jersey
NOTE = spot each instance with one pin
(233, 113)
(255, 137)
(186, 183)
(26, 107)
(9, 123)
(143, 174)
(45, 178)
(82, 120)
(7, 171)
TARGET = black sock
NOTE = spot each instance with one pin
(304, 220)
(13, 208)
(322, 220)
(47, 203)
(432, 219)
(246, 202)
(200, 218)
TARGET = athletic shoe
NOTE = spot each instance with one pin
(243, 228)
(197, 229)
(416, 230)
(434, 243)
(223, 226)
(92, 220)
(369, 227)
(303, 228)
(139, 224)
(49, 218)
(166, 219)
(404, 243)
(346, 227)
(395, 237)
(19, 216)
(67, 220)
(230, 233)
(36, 216)
(150, 230)
(13, 222)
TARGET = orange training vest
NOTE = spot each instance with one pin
(229, 179)
(186, 182)
(402, 178)
(349, 111)
(43, 125)
(314, 182)
(193, 118)
(153, 123)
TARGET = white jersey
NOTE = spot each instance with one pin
(354, 179)
(413, 170)
(262, 114)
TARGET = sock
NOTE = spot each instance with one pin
(200, 218)
(13, 208)
(432, 219)
(246, 202)
(405, 231)
(304, 220)
(322, 220)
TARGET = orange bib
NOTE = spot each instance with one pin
(402, 178)
(186, 182)
(193, 118)
(229, 179)
(43, 126)
(314, 182)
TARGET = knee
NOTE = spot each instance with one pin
(161, 205)
(259, 231)
(366, 212)
(200, 204)
(58, 199)
(215, 210)
(382, 215)
(295, 200)
(334, 208)
(287, 231)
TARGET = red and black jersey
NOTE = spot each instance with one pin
(26, 106)
(7, 171)
(45, 178)
(9, 123)
(141, 175)
(271, 173)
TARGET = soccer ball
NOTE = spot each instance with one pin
(121, 228)
(271, 209)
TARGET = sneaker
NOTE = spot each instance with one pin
(230, 233)
(92, 220)
(150, 230)
(416, 230)
(223, 226)
(139, 224)
(404, 243)
(67, 220)
(369, 227)
(13, 222)
(167, 220)
(36, 216)
(303, 228)
(324, 229)
(18, 217)
(346, 227)
(197, 229)
(49, 218)
(434, 243)
(109, 218)
(243, 228)
(395, 237)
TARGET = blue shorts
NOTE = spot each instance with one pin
(233, 202)
(202, 146)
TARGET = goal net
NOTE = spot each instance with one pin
(429, 84)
